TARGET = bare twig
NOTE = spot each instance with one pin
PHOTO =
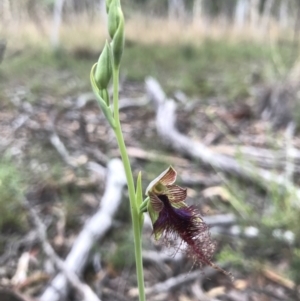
(83, 289)
(62, 150)
(93, 230)
(275, 277)
(174, 282)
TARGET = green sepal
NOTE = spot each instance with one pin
(153, 216)
(139, 199)
(102, 103)
(144, 206)
(103, 72)
(105, 96)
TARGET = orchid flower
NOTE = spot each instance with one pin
(172, 218)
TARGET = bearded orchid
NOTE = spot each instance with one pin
(172, 218)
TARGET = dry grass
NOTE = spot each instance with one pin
(81, 31)
(164, 31)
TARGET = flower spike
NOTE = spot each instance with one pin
(172, 218)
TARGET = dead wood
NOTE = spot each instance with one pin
(62, 150)
(175, 282)
(279, 279)
(256, 154)
(165, 125)
(93, 230)
(85, 291)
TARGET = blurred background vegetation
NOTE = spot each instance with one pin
(217, 54)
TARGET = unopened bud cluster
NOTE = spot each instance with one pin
(110, 58)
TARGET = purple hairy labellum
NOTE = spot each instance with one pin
(172, 218)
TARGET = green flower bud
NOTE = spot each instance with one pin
(103, 99)
(114, 15)
(103, 70)
(107, 3)
(118, 41)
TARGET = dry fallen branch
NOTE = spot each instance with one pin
(93, 230)
(273, 276)
(61, 149)
(33, 279)
(22, 269)
(262, 157)
(83, 289)
(165, 124)
(175, 282)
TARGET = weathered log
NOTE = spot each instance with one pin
(165, 125)
(93, 230)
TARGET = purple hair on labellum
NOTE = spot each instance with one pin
(185, 222)
(172, 218)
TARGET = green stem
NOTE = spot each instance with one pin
(133, 206)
